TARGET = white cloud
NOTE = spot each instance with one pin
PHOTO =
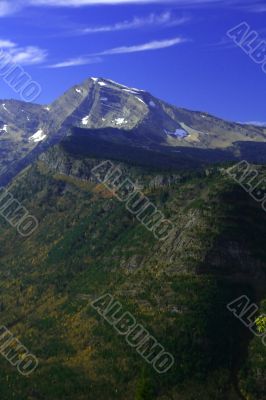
(74, 62)
(21, 55)
(165, 19)
(28, 55)
(5, 44)
(155, 45)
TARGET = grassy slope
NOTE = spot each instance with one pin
(87, 243)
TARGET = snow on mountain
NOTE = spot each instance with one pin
(39, 136)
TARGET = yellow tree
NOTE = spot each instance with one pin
(261, 323)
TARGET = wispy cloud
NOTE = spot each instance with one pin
(256, 8)
(97, 57)
(8, 7)
(155, 45)
(22, 55)
(166, 19)
(224, 44)
(74, 62)
(79, 3)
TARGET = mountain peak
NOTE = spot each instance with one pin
(103, 105)
(105, 82)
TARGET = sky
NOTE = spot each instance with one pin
(178, 50)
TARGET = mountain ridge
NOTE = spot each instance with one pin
(26, 130)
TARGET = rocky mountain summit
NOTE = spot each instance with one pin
(121, 115)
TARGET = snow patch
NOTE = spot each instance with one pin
(47, 108)
(129, 91)
(96, 80)
(104, 99)
(4, 128)
(120, 121)
(117, 84)
(140, 100)
(152, 104)
(124, 86)
(79, 91)
(4, 107)
(85, 120)
(179, 133)
(38, 136)
(256, 123)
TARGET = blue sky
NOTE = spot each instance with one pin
(176, 49)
